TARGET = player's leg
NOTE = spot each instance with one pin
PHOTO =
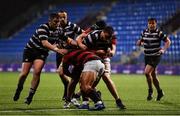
(26, 66)
(110, 84)
(157, 86)
(86, 81)
(92, 70)
(65, 80)
(38, 65)
(85, 99)
(155, 62)
(70, 90)
(28, 56)
(148, 71)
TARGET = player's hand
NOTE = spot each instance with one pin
(161, 51)
(82, 46)
(139, 43)
(62, 51)
(109, 52)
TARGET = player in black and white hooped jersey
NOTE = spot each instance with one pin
(151, 40)
(36, 52)
(70, 30)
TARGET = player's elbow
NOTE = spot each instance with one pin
(138, 43)
(169, 41)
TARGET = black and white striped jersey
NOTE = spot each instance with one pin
(44, 32)
(152, 41)
(71, 30)
(94, 41)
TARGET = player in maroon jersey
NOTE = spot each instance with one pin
(86, 68)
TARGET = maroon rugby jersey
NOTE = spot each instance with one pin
(75, 60)
(79, 57)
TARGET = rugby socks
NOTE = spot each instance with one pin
(31, 93)
(77, 95)
(20, 85)
(150, 91)
(120, 104)
(65, 88)
(94, 96)
(18, 90)
(118, 101)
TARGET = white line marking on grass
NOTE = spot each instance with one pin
(50, 110)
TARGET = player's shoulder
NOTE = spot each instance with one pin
(44, 25)
(159, 31)
(96, 31)
(145, 30)
(69, 23)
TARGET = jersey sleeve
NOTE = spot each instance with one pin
(162, 36)
(141, 36)
(77, 29)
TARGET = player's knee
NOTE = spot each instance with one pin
(23, 74)
(147, 73)
(37, 73)
(106, 78)
(60, 72)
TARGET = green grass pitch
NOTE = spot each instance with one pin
(131, 88)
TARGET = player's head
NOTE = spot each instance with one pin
(63, 18)
(107, 33)
(152, 23)
(99, 25)
(54, 20)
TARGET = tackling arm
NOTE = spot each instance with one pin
(54, 48)
(79, 40)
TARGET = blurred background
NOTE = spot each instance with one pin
(20, 18)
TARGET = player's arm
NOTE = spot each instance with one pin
(140, 41)
(112, 51)
(54, 48)
(77, 29)
(80, 39)
(43, 37)
(72, 42)
(167, 43)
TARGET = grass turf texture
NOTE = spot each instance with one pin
(131, 88)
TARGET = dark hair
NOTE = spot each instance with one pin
(101, 24)
(62, 11)
(152, 19)
(53, 15)
(109, 30)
